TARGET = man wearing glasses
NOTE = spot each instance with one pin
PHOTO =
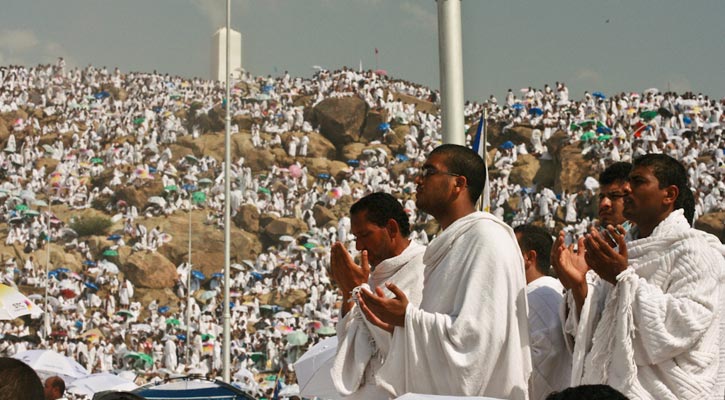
(469, 336)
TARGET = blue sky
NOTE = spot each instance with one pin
(606, 45)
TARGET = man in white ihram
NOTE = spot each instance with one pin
(381, 228)
(469, 336)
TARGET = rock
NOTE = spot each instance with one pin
(713, 223)
(150, 270)
(337, 169)
(320, 146)
(323, 215)
(352, 151)
(395, 139)
(524, 171)
(420, 105)
(247, 218)
(373, 120)
(243, 122)
(340, 119)
(556, 142)
(573, 169)
(284, 226)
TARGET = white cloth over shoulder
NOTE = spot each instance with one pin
(470, 335)
(362, 346)
(657, 333)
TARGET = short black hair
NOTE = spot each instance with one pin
(382, 207)
(57, 382)
(589, 392)
(616, 172)
(669, 171)
(538, 239)
(465, 162)
(19, 381)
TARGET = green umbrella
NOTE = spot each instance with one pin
(206, 337)
(264, 190)
(140, 356)
(190, 158)
(171, 188)
(588, 135)
(256, 356)
(173, 321)
(110, 253)
(309, 245)
(31, 213)
(297, 338)
(205, 182)
(648, 115)
(326, 331)
(97, 160)
(125, 313)
(21, 207)
(198, 197)
(139, 120)
(602, 138)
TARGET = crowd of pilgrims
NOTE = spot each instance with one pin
(95, 317)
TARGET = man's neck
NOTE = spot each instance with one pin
(453, 215)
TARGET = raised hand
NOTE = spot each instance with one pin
(602, 257)
(385, 313)
(346, 274)
(571, 268)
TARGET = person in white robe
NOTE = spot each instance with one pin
(550, 358)
(381, 227)
(469, 336)
(647, 320)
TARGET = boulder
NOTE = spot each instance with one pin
(524, 171)
(713, 223)
(320, 146)
(352, 151)
(323, 215)
(373, 120)
(247, 218)
(207, 244)
(573, 168)
(284, 226)
(340, 119)
(395, 139)
(420, 105)
(150, 270)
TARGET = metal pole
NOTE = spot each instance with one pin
(450, 55)
(46, 317)
(188, 294)
(227, 205)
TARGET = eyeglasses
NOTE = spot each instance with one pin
(613, 195)
(428, 171)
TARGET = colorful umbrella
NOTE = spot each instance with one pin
(14, 304)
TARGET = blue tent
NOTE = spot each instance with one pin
(186, 388)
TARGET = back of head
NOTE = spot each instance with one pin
(669, 171)
(617, 172)
(588, 392)
(532, 237)
(54, 387)
(18, 381)
(465, 162)
(382, 207)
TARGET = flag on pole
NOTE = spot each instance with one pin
(479, 146)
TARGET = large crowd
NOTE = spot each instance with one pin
(106, 120)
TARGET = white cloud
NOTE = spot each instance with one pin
(587, 75)
(17, 40)
(420, 16)
(18, 46)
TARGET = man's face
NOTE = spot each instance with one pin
(611, 203)
(377, 240)
(644, 203)
(434, 190)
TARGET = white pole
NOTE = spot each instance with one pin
(227, 206)
(450, 55)
(46, 317)
(187, 343)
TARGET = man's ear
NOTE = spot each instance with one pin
(392, 227)
(671, 194)
(529, 256)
